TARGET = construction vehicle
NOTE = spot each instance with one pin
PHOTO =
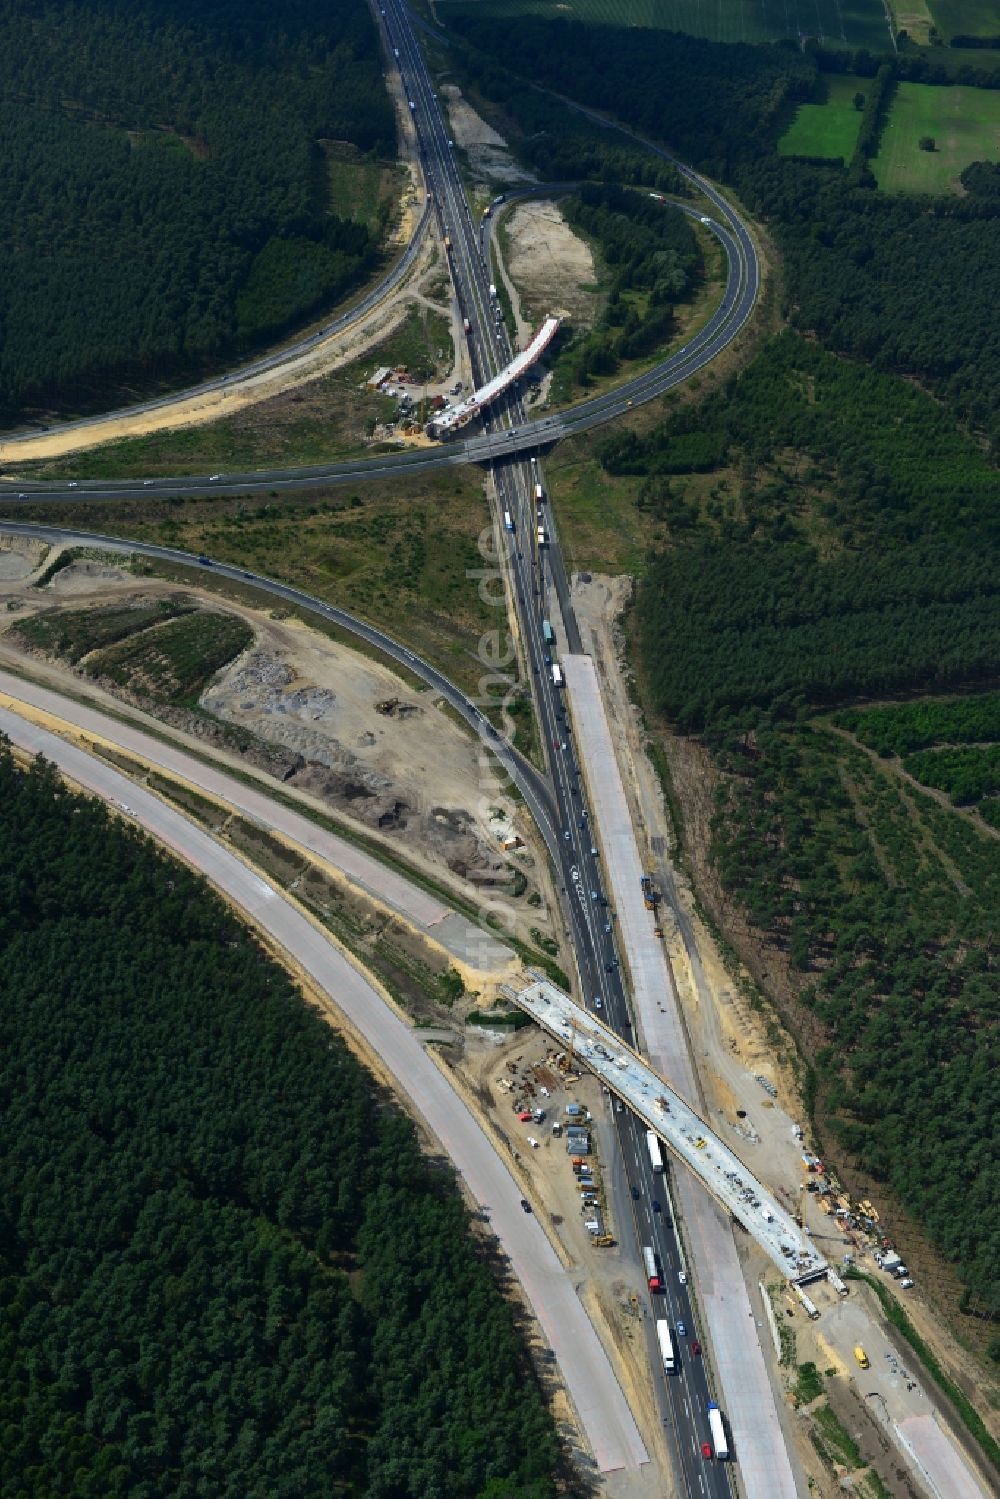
(604, 1241)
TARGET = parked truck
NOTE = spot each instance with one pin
(861, 1356)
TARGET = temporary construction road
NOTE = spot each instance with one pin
(600, 1405)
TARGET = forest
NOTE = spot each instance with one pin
(650, 256)
(225, 1266)
(885, 905)
(164, 188)
(847, 547)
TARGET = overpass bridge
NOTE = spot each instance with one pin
(631, 1079)
(448, 422)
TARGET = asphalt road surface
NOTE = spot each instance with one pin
(589, 1377)
(511, 446)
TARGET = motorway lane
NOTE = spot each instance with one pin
(589, 1377)
(590, 920)
(418, 907)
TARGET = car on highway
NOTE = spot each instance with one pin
(214, 478)
(526, 1205)
(695, 1346)
(22, 496)
(681, 1329)
(72, 484)
(682, 1277)
(706, 1449)
(619, 1106)
(656, 1206)
(636, 1193)
(598, 1002)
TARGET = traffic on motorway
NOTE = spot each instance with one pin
(511, 447)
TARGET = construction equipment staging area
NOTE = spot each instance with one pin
(449, 421)
(633, 1081)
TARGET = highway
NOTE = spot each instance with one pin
(536, 575)
(472, 278)
(511, 447)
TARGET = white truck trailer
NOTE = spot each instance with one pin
(718, 1431)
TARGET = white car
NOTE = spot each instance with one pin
(682, 1277)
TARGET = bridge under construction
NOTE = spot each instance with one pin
(630, 1078)
(447, 422)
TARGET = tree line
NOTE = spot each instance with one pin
(164, 188)
(225, 1266)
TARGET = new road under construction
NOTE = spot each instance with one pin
(627, 1075)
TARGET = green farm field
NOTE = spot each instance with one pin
(851, 23)
(964, 124)
(831, 128)
(965, 17)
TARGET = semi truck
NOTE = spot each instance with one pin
(655, 1153)
(543, 539)
(548, 634)
(718, 1431)
(653, 1275)
(668, 1347)
(539, 494)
